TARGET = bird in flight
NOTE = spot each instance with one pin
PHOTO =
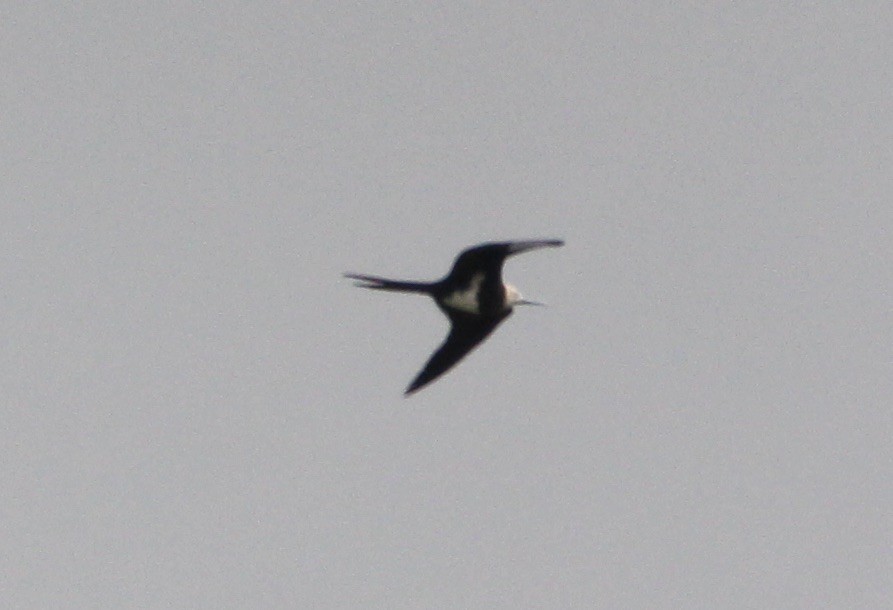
(473, 296)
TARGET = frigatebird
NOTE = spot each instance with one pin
(473, 296)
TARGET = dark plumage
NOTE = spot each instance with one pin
(473, 296)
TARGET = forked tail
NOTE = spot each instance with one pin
(380, 283)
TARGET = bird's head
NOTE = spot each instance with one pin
(513, 297)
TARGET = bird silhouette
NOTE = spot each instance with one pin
(473, 296)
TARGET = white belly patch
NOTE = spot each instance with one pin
(467, 299)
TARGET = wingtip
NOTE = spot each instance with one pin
(517, 247)
(417, 384)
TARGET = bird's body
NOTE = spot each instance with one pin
(473, 296)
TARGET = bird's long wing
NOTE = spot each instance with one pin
(467, 331)
(489, 257)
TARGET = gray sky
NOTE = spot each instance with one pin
(200, 412)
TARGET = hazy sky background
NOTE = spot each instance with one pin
(200, 412)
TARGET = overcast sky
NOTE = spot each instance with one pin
(200, 412)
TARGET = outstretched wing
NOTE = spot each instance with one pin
(466, 333)
(489, 257)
